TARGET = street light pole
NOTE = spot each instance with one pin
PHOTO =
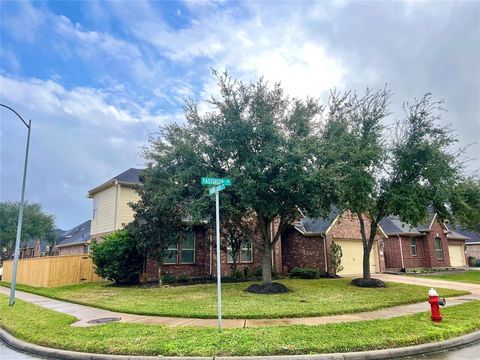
(11, 301)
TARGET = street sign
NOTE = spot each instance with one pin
(215, 189)
(215, 181)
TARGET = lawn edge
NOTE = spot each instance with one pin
(227, 317)
(426, 348)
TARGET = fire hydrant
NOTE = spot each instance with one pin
(435, 301)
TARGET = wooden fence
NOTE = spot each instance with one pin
(52, 271)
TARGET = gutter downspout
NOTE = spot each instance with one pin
(401, 250)
(325, 252)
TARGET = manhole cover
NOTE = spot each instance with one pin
(104, 320)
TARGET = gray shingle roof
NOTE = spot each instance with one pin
(472, 236)
(79, 234)
(394, 226)
(310, 227)
(130, 176)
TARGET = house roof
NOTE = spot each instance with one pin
(392, 225)
(428, 225)
(472, 237)
(128, 177)
(79, 234)
(319, 226)
(456, 236)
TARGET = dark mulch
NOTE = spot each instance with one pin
(273, 288)
(368, 283)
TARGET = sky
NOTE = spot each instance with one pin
(97, 78)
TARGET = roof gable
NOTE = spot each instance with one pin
(128, 177)
(79, 234)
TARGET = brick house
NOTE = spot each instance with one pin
(431, 245)
(32, 248)
(307, 244)
(74, 241)
(472, 242)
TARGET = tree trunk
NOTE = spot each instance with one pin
(267, 263)
(366, 263)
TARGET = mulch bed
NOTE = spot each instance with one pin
(273, 288)
(368, 283)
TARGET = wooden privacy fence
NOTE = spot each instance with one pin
(52, 271)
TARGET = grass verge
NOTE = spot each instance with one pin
(307, 298)
(469, 276)
(52, 329)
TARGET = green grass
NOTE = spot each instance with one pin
(52, 329)
(469, 276)
(308, 298)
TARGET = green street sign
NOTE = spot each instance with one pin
(215, 189)
(215, 181)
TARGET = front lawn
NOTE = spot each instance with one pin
(308, 298)
(52, 329)
(469, 276)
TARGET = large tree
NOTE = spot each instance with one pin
(36, 225)
(402, 170)
(255, 135)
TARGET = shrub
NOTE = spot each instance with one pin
(303, 273)
(336, 257)
(168, 278)
(246, 272)
(117, 258)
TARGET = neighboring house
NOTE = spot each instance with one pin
(430, 245)
(472, 243)
(308, 242)
(110, 203)
(32, 248)
(74, 241)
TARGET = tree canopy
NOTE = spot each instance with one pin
(402, 172)
(255, 135)
(36, 225)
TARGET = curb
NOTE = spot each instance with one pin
(17, 344)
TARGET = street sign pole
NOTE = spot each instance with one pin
(215, 186)
(219, 281)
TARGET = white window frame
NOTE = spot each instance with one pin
(413, 245)
(440, 249)
(239, 255)
(171, 248)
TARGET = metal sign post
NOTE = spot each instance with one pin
(220, 185)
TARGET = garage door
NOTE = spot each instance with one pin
(457, 255)
(352, 259)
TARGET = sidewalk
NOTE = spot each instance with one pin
(86, 313)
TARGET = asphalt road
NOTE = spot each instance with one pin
(467, 353)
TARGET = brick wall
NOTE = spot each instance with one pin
(302, 251)
(431, 259)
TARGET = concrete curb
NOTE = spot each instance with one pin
(17, 344)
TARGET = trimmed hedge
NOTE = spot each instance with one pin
(305, 273)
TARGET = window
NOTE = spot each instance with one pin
(413, 246)
(188, 249)
(171, 254)
(438, 248)
(245, 254)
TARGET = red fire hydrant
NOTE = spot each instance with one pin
(435, 301)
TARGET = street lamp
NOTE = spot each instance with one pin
(20, 211)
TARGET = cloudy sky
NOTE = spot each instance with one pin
(97, 78)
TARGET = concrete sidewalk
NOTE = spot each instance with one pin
(87, 313)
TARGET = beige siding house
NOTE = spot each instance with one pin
(110, 203)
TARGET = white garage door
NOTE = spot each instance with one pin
(457, 255)
(352, 259)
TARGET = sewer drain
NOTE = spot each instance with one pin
(104, 320)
